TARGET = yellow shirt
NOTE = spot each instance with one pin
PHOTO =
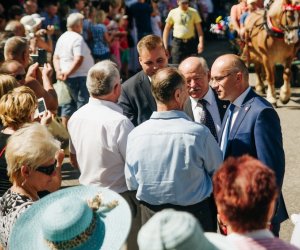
(183, 22)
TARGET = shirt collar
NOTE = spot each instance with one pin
(171, 114)
(208, 97)
(112, 105)
(239, 101)
(257, 234)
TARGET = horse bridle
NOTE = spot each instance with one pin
(285, 9)
(279, 31)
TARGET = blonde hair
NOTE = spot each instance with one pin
(7, 83)
(17, 106)
(32, 145)
(149, 42)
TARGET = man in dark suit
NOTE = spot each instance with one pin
(197, 75)
(136, 98)
(251, 125)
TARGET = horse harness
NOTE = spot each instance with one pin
(278, 32)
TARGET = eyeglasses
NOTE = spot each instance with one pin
(218, 79)
(47, 170)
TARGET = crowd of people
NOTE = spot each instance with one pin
(183, 156)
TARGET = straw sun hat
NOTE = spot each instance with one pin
(65, 220)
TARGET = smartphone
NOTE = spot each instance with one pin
(42, 57)
(41, 106)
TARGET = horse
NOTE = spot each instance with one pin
(272, 37)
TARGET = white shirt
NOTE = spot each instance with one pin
(72, 44)
(238, 103)
(211, 106)
(98, 137)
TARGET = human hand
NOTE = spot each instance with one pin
(32, 71)
(60, 155)
(200, 48)
(50, 30)
(46, 118)
(40, 32)
(47, 70)
(61, 76)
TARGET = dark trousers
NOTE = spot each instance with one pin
(130, 197)
(182, 49)
(202, 211)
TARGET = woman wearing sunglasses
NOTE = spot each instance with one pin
(17, 107)
(33, 164)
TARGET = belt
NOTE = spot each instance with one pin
(183, 40)
(190, 208)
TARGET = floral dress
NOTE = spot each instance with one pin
(11, 206)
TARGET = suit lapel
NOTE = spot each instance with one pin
(241, 115)
(246, 106)
(146, 88)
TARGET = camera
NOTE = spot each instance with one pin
(40, 57)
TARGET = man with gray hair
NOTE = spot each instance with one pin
(98, 131)
(98, 138)
(72, 59)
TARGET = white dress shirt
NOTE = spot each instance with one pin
(98, 137)
(211, 106)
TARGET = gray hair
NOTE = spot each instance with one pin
(101, 78)
(203, 64)
(32, 145)
(74, 19)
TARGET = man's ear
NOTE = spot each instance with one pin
(177, 95)
(140, 60)
(208, 76)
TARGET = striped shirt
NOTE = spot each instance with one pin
(259, 240)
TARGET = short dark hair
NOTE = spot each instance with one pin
(165, 82)
(244, 189)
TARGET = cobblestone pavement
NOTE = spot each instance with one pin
(290, 122)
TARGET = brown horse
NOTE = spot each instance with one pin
(272, 38)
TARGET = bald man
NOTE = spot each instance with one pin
(251, 125)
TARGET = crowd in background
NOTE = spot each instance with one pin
(163, 139)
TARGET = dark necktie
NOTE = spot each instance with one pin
(227, 127)
(207, 120)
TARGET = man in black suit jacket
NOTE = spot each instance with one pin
(136, 98)
(197, 75)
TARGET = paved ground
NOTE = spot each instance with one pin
(290, 122)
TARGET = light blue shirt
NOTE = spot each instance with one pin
(170, 159)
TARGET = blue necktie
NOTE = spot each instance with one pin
(226, 130)
(207, 119)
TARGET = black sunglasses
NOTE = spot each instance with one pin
(48, 170)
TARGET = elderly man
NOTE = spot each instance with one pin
(72, 59)
(16, 53)
(169, 158)
(184, 20)
(251, 125)
(136, 98)
(98, 136)
(99, 131)
(203, 105)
